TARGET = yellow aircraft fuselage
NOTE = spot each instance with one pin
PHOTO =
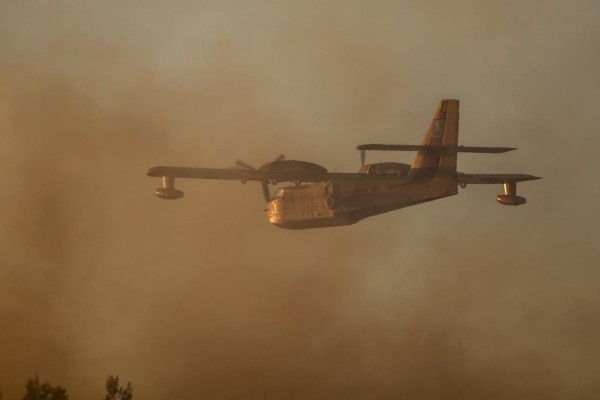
(324, 204)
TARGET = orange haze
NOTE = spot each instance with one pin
(460, 298)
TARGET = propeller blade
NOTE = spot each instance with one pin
(265, 185)
(266, 192)
(244, 165)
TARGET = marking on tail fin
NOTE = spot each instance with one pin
(438, 127)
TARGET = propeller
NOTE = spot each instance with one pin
(265, 185)
(244, 165)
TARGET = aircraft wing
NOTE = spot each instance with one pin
(210, 173)
(258, 175)
(462, 178)
(474, 179)
(264, 176)
(288, 171)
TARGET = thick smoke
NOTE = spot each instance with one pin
(200, 297)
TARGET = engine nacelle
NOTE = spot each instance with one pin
(506, 200)
(293, 170)
(385, 168)
(510, 198)
(168, 191)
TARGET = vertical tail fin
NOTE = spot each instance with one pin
(442, 131)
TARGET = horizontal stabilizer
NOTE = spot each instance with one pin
(474, 179)
(431, 148)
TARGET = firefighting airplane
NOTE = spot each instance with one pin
(317, 198)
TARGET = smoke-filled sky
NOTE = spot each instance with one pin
(201, 297)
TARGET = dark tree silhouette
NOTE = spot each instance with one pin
(43, 391)
(116, 392)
